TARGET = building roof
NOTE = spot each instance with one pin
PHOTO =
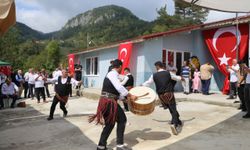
(227, 22)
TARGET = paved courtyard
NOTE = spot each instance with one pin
(206, 127)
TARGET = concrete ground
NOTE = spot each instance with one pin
(206, 127)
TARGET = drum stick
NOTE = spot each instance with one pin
(143, 95)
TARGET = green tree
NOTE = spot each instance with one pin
(190, 14)
(53, 55)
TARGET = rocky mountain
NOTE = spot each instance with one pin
(101, 25)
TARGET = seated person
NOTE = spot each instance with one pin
(9, 90)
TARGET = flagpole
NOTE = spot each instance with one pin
(237, 38)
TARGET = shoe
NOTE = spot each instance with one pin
(236, 102)
(173, 128)
(50, 118)
(123, 147)
(45, 101)
(38, 101)
(246, 116)
(12, 106)
(230, 97)
(65, 114)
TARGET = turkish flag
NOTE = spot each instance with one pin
(5, 70)
(71, 58)
(222, 44)
(124, 54)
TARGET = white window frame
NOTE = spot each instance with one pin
(176, 51)
(92, 66)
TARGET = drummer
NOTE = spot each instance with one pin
(164, 88)
(109, 110)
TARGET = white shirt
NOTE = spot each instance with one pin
(151, 79)
(39, 82)
(9, 89)
(26, 76)
(57, 73)
(125, 80)
(248, 78)
(31, 78)
(113, 76)
(233, 73)
(64, 80)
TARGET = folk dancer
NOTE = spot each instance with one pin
(164, 88)
(109, 110)
(62, 89)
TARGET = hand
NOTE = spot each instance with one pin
(182, 79)
(133, 98)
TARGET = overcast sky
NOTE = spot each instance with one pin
(51, 15)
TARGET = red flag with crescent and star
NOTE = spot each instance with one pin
(222, 44)
(71, 58)
(124, 54)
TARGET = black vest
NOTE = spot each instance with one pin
(163, 82)
(109, 87)
(130, 81)
(63, 89)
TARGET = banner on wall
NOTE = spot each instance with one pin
(71, 58)
(124, 54)
(222, 44)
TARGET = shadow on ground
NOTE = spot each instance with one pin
(231, 134)
(28, 129)
(134, 137)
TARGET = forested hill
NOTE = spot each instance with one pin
(101, 25)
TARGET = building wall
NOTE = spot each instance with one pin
(146, 53)
(104, 57)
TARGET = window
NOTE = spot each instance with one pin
(177, 57)
(92, 66)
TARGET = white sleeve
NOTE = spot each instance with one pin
(117, 84)
(149, 81)
(74, 82)
(16, 88)
(175, 77)
(125, 80)
(52, 80)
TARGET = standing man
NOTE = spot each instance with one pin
(128, 83)
(186, 75)
(62, 89)
(31, 82)
(165, 90)
(46, 85)
(39, 86)
(109, 110)
(78, 77)
(26, 85)
(206, 75)
(9, 90)
(19, 82)
(247, 91)
(233, 70)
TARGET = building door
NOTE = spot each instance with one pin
(178, 62)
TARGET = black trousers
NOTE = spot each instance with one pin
(174, 113)
(26, 89)
(31, 90)
(13, 97)
(53, 106)
(40, 91)
(121, 124)
(241, 96)
(247, 97)
(46, 86)
(205, 84)
(233, 89)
